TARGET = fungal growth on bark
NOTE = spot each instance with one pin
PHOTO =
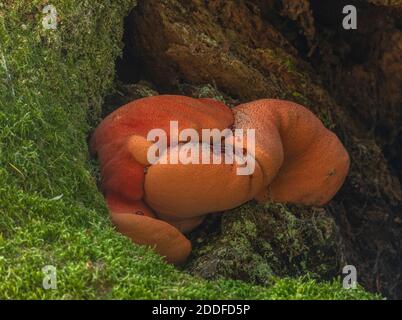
(302, 161)
(296, 160)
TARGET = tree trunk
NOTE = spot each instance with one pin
(297, 50)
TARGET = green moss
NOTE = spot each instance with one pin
(207, 91)
(260, 241)
(52, 84)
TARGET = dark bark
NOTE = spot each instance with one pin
(296, 50)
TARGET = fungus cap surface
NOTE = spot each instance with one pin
(303, 162)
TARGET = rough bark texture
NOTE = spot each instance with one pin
(238, 51)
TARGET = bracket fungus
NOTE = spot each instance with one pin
(297, 160)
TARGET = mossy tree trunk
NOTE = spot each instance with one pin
(52, 85)
(297, 50)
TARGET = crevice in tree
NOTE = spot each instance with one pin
(295, 50)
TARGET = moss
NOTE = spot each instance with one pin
(260, 241)
(208, 91)
(52, 83)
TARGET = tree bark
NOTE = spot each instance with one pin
(297, 50)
